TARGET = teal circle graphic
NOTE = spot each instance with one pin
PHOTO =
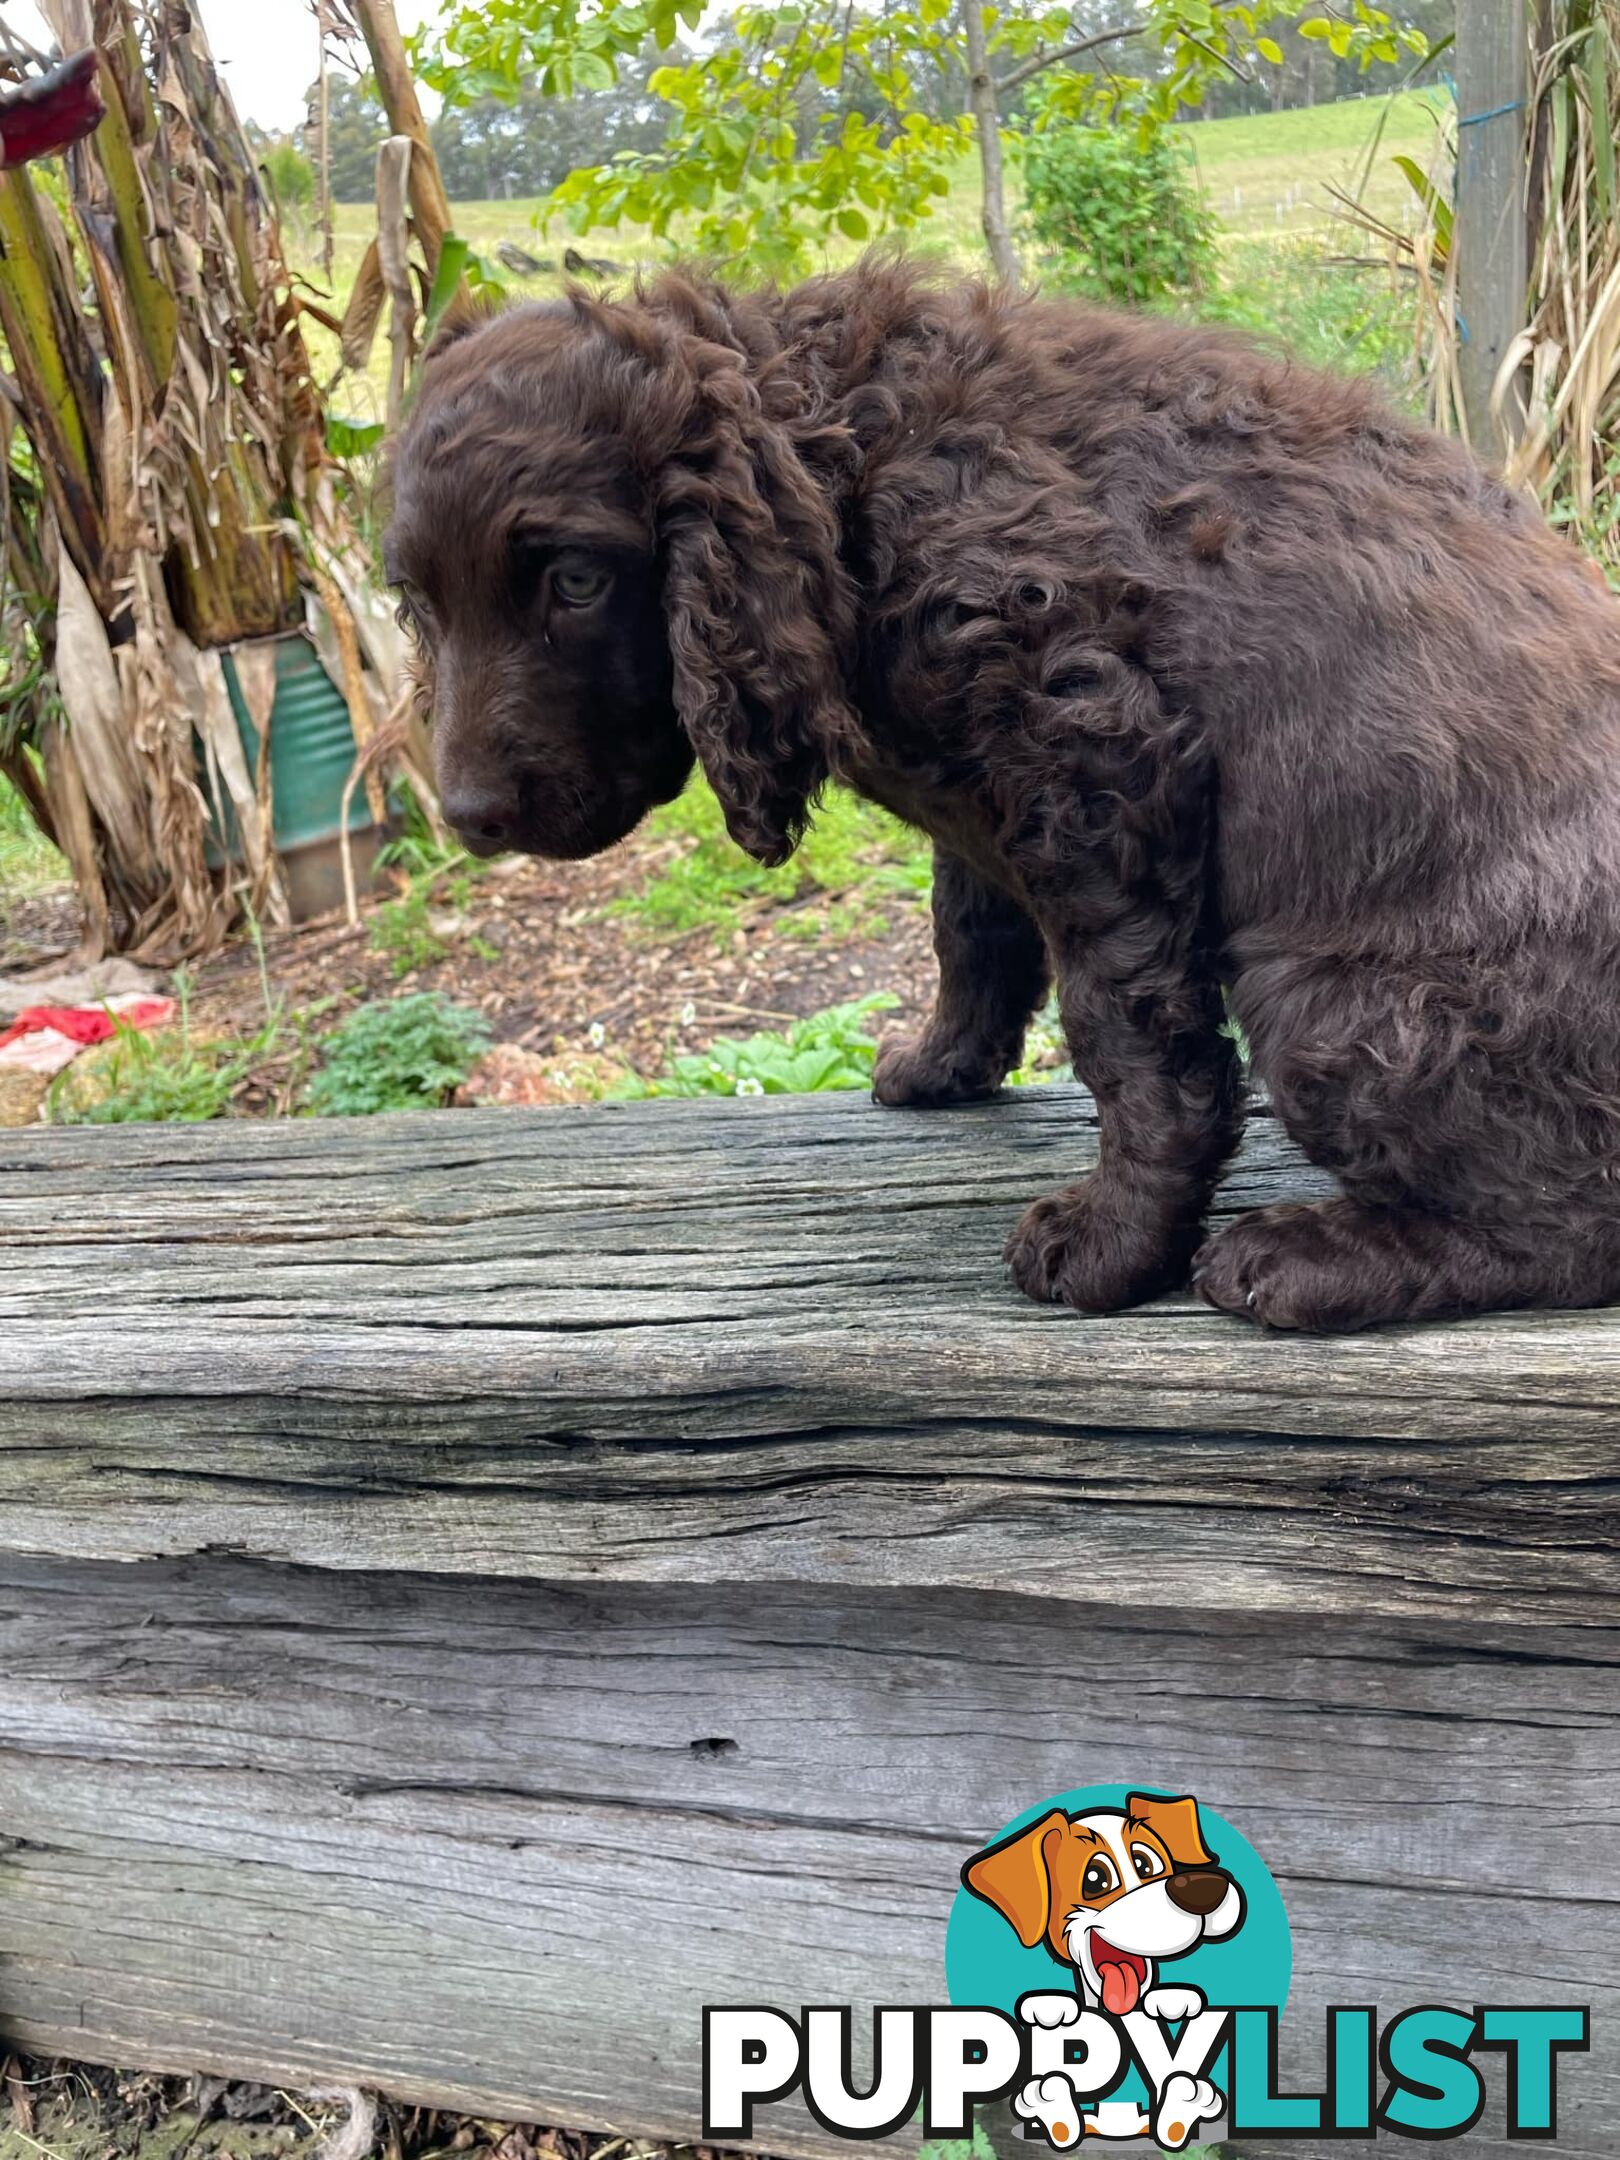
(986, 1964)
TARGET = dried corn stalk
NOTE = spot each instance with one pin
(184, 499)
(1570, 453)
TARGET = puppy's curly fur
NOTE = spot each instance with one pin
(1207, 675)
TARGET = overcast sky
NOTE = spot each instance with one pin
(267, 51)
(265, 47)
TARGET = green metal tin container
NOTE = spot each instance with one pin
(312, 753)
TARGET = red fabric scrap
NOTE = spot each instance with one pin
(87, 1024)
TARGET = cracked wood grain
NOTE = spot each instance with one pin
(761, 1341)
(493, 1844)
(474, 1588)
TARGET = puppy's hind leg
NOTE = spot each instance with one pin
(992, 975)
(1339, 1265)
(1472, 1115)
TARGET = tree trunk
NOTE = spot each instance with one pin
(987, 122)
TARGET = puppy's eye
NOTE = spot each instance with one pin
(1098, 1879)
(1147, 1862)
(577, 584)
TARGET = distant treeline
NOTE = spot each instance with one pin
(1310, 75)
(492, 150)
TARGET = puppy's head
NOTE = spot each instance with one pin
(1111, 1892)
(614, 560)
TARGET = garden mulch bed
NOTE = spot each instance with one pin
(573, 993)
(534, 950)
(78, 2111)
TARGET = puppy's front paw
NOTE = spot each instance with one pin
(1050, 2102)
(1049, 2011)
(1171, 2004)
(925, 1075)
(1184, 2103)
(1086, 1248)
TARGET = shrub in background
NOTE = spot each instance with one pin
(1311, 304)
(409, 1054)
(1126, 217)
(291, 177)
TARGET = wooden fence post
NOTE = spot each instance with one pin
(1493, 240)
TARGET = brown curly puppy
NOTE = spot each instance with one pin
(1204, 672)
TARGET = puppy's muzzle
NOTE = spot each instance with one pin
(1197, 1890)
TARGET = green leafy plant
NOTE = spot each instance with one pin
(1596, 530)
(853, 856)
(353, 438)
(144, 1077)
(402, 932)
(440, 877)
(164, 1076)
(417, 847)
(829, 1050)
(410, 1053)
(1124, 216)
(1046, 1050)
(27, 858)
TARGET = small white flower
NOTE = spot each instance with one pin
(597, 1035)
(688, 1013)
(750, 1087)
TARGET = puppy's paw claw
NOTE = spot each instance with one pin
(1323, 1267)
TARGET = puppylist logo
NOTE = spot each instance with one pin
(1117, 1962)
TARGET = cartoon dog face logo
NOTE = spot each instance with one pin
(1113, 1894)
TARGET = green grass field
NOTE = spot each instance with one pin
(1271, 172)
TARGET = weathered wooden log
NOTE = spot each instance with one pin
(475, 1589)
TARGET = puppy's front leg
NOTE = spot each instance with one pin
(1143, 1022)
(992, 975)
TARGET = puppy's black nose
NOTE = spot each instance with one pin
(483, 819)
(1197, 1890)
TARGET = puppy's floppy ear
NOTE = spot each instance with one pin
(759, 609)
(1175, 1824)
(1015, 1876)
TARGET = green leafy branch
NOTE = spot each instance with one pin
(804, 123)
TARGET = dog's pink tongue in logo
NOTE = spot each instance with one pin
(1120, 1974)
